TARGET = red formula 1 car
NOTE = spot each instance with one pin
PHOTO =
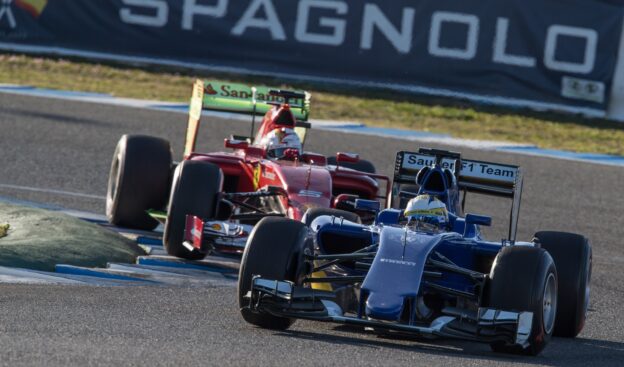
(215, 199)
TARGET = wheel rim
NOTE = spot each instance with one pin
(587, 286)
(112, 184)
(549, 305)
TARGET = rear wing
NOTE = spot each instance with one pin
(475, 176)
(234, 97)
(239, 98)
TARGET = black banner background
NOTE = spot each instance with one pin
(157, 29)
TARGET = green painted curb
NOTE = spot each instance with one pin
(40, 239)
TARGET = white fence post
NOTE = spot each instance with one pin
(616, 102)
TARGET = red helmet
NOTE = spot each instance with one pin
(279, 140)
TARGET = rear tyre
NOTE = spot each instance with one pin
(572, 254)
(275, 250)
(138, 181)
(525, 279)
(194, 192)
(400, 201)
(362, 165)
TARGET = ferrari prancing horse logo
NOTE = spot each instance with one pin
(256, 176)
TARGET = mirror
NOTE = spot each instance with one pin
(481, 220)
(314, 159)
(236, 144)
(367, 205)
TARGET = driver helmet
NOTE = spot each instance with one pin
(279, 140)
(426, 212)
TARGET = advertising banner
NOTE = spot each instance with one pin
(548, 53)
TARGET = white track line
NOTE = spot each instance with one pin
(52, 191)
(345, 127)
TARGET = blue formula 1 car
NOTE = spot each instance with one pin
(393, 277)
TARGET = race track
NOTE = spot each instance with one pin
(58, 152)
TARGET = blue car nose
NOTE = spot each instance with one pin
(396, 271)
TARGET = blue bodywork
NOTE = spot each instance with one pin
(397, 260)
(396, 275)
(389, 275)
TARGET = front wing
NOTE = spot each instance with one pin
(284, 299)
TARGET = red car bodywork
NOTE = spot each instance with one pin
(306, 179)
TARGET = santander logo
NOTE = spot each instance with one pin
(208, 89)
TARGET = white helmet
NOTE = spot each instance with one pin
(277, 141)
(427, 213)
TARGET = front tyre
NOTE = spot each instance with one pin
(138, 181)
(524, 279)
(275, 250)
(194, 192)
(572, 254)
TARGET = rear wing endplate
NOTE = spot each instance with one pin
(195, 110)
(476, 176)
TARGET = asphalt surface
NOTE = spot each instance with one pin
(66, 146)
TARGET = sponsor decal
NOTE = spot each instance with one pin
(243, 91)
(309, 193)
(7, 13)
(469, 169)
(418, 161)
(589, 90)
(488, 171)
(210, 90)
(32, 7)
(406, 31)
(256, 176)
(398, 262)
(268, 175)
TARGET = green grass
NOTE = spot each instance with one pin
(374, 108)
(40, 239)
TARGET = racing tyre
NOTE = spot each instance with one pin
(275, 250)
(572, 254)
(195, 188)
(138, 181)
(314, 213)
(362, 165)
(524, 278)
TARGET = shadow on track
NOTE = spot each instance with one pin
(559, 353)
